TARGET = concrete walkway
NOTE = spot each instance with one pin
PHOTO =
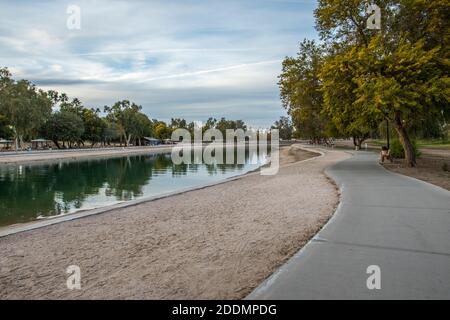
(395, 222)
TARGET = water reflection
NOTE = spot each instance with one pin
(31, 191)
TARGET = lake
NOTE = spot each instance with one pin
(38, 191)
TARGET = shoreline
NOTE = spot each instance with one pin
(218, 242)
(36, 156)
(41, 223)
(24, 157)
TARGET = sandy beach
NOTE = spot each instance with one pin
(215, 243)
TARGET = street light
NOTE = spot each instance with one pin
(387, 133)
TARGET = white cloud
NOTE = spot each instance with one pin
(167, 56)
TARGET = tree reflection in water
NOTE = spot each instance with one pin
(30, 191)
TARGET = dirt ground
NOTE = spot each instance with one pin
(430, 167)
(215, 243)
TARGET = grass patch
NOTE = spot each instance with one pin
(434, 144)
(431, 144)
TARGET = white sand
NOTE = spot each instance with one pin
(216, 243)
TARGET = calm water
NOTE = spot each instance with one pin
(30, 192)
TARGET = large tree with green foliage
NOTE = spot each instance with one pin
(397, 72)
(25, 107)
(408, 83)
(300, 91)
(63, 126)
(178, 123)
(339, 76)
(223, 124)
(94, 126)
(5, 130)
(123, 114)
(285, 128)
(142, 127)
(162, 131)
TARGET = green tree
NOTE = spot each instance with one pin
(94, 126)
(142, 127)
(5, 84)
(63, 127)
(223, 124)
(409, 82)
(74, 106)
(398, 72)
(162, 131)
(177, 123)
(5, 130)
(300, 91)
(123, 114)
(25, 107)
(111, 132)
(339, 74)
(285, 128)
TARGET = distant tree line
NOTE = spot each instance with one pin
(357, 79)
(285, 128)
(27, 112)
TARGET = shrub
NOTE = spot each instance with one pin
(397, 149)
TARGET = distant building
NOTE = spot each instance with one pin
(5, 144)
(40, 144)
(152, 141)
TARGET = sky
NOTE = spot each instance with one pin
(176, 58)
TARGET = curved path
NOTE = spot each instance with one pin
(400, 224)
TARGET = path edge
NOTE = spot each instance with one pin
(259, 290)
(33, 225)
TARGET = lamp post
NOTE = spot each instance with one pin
(387, 133)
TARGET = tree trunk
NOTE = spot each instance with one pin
(410, 155)
(362, 139)
(128, 140)
(357, 142)
(20, 142)
(55, 141)
(360, 142)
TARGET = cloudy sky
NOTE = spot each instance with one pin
(177, 58)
